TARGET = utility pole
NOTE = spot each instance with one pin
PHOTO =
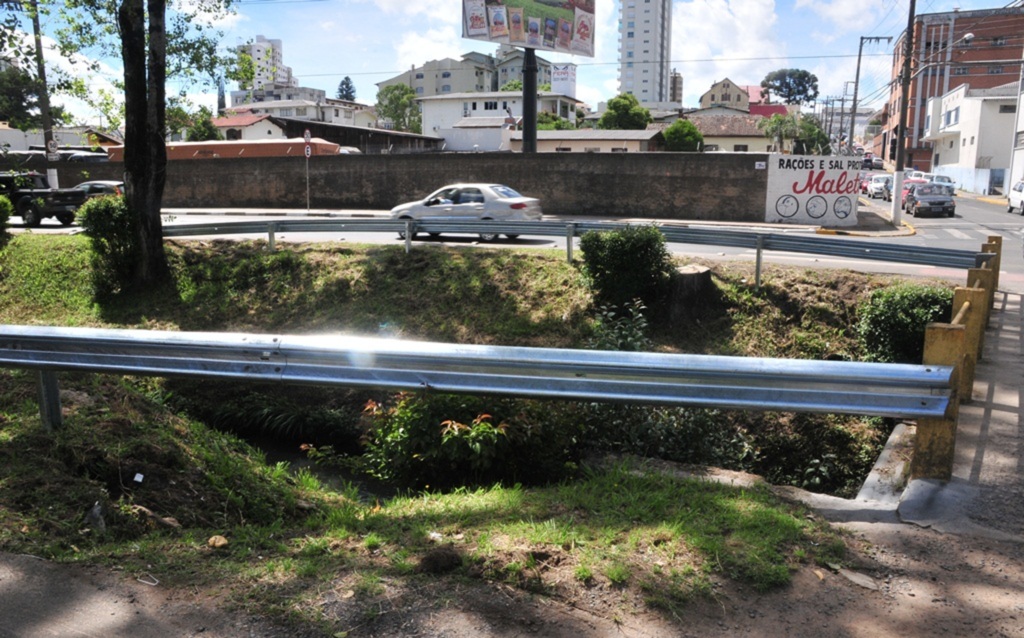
(901, 130)
(856, 79)
(32, 6)
(842, 116)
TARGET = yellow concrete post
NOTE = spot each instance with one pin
(935, 440)
(972, 319)
(982, 278)
(993, 246)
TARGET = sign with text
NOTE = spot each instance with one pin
(566, 26)
(812, 189)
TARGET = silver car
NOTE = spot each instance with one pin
(461, 202)
(880, 186)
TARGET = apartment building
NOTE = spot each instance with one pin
(645, 41)
(980, 48)
(473, 73)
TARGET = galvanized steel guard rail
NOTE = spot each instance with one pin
(760, 384)
(788, 242)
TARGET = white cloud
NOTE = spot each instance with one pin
(445, 10)
(416, 48)
(715, 39)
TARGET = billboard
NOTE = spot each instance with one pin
(811, 189)
(565, 26)
(563, 79)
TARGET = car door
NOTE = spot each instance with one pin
(469, 204)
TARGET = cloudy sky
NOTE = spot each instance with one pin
(373, 40)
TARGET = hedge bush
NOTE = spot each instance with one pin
(113, 231)
(623, 265)
(891, 323)
(6, 210)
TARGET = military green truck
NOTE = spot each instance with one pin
(33, 199)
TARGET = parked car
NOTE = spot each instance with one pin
(907, 185)
(1016, 198)
(877, 163)
(460, 202)
(83, 156)
(930, 198)
(867, 162)
(914, 175)
(101, 187)
(945, 180)
(34, 200)
(880, 186)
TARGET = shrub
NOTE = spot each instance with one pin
(6, 210)
(113, 231)
(891, 323)
(444, 440)
(622, 331)
(623, 265)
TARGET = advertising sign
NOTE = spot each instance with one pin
(566, 26)
(811, 189)
(563, 79)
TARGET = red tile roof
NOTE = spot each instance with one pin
(768, 110)
(238, 120)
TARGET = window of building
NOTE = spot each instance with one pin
(630, 24)
(629, 65)
(286, 113)
(972, 140)
(739, 148)
(563, 150)
(950, 143)
(419, 90)
(446, 74)
(629, 54)
(927, 122)
(995, 70)
(712, 97)
(591, 149)
(956, 115)
(491, 106)
(618, 150)
(446, 88)
(300, 110)
(419, 76)
(963, 142)
(710, 147)
(961, 70)
(629, 34)
(998, 41)
(1007, 108)
(726, 97)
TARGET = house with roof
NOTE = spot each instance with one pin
(475, 121)
(248, 126)
(327, 110)
(735, 133)
(969, 131)
(593, 141)
(726, 93)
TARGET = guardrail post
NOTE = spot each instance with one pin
(983, 278)
(570, 233)
(994, 245)
(271, 236)
(408, 235)
(757, 265)
(935, 440)
(49, 399)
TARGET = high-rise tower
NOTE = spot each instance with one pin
(645, 43)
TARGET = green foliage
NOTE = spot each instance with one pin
(397, 104)
(46, 279)
(892, 321)
(623, 265)
(623, 331)
(625, 113)
(444, 441)
(810, 138)
(792, 86)
(113, 232)
(517, 85)
(346, 89)
(682, 135)
(6, 210)
(202, 128)
(19, 101)
(547, 121)
(778, 128)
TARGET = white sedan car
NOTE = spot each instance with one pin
(461, 202)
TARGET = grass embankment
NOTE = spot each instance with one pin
(291, 540)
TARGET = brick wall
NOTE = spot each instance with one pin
(713, 186)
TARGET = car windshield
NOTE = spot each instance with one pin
(928, 189)
(505, 192)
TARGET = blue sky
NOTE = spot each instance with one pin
(373, 40)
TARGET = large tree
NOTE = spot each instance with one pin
(19, 101)
(625, 113)
(792, 86)
(683, 135)
(397, 104)
(152, 44)
(347, 90)
(202, 128)
(778, 128)
(810, 138)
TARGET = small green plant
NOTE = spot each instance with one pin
(112, 229)
(627, 264)
(892, 321)
(373, 542)
(6, 210)
(618, 573)
(583, 574)
(624, 330)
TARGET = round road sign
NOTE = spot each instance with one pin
(306, 136)
(309, 150)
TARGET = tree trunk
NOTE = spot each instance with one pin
(145, 154)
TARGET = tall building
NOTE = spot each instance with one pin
(676, 88)
(980, 48)
(268, 60)
(645, 42)
(474, 73)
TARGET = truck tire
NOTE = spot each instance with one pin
(66, 219)
(30, 213)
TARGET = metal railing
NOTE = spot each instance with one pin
(762, 384)
(759, 241)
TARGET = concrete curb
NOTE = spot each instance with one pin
(993, 200)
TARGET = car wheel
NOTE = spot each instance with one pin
(401, 233)
(1009, 208)
(66, 218)
(512, 236)
(434, 234)
(951, 213)
(29, 213)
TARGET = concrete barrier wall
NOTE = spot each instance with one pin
(713, 186)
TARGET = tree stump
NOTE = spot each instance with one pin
(689, 283)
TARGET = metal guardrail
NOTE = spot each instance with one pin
(802, 243)
(840, 387)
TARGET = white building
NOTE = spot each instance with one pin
(1016, 172)
(327, 110)
(268, 61)
(475, 121)
(972, 135)
(474, 73)
(645, 40)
